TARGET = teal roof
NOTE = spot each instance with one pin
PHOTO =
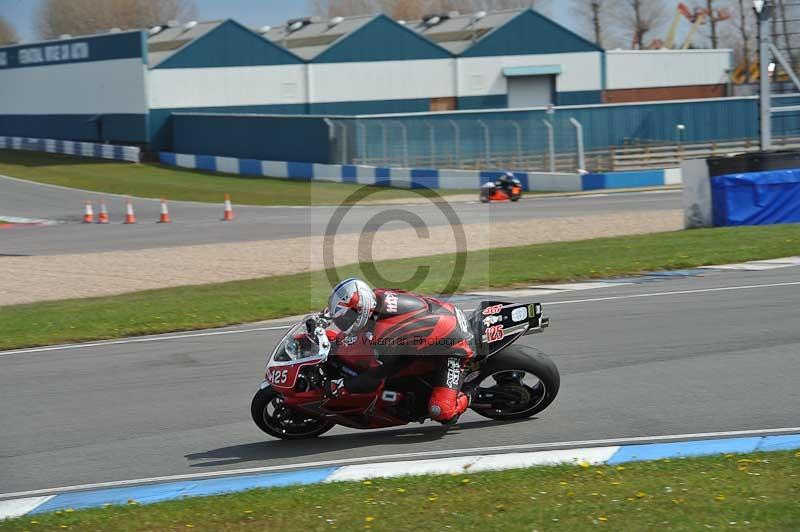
(228, 44)
(529, 33)
(381, 39)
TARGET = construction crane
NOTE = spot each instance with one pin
(697, 18)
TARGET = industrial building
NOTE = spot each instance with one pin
(125, 87)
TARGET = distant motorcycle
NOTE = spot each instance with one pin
(500, 191)
(294, 400)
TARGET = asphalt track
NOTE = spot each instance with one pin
(718, 352)
(198, 223)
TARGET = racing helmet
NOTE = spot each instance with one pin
(351, 304)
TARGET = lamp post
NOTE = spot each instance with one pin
(763, 9)
(679, 129)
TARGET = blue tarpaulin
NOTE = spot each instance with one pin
(757, 198)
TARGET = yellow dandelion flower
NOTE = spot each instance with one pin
(401, 490)
(720, 497)
(69, 510)
(602, 518)
(564, 483)
(615, 482)
(466, 481)
(369, 519)
(432, 499)
(620, 468)
(641, 495)
(584, 464)
(248, 511)
(367, 482)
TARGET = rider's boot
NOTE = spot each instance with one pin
(447, 401)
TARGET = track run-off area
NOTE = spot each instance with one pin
(710, 353)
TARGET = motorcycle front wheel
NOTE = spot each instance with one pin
(515, 384)
(274, 418)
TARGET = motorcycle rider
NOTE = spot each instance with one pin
(397, 324)
(506, 182)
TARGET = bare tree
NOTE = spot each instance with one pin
(741, 34)
(415, 9)
(635, 19)
(789, 29)
(81, 17)
(7, 33)
(593, 17)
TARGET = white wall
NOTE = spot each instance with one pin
(481, 76)
(171, 88)
(99, 87)
(382, 80)
(632, 69)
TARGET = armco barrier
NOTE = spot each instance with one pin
(418, 177)
(69, 147)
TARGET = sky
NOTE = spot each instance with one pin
(253, 13)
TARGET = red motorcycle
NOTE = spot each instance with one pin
(505, 383)
(498, 191)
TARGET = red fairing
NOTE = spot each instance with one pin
(358, 355)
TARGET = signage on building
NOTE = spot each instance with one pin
(95, 48)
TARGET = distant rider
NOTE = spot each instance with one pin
(397, 325)
(506, 182)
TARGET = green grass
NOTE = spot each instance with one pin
(159, 181)
(756, 492)
(195, 307)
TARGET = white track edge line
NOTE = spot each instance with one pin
(278, 327)
(394, 457)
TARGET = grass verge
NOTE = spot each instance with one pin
(213, 305)
(749, 492)
(159, 181)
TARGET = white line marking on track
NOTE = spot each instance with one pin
(279, 327)
(144, 339)
(677, 292)
(393, 457)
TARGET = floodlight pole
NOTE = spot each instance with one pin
(763, 11)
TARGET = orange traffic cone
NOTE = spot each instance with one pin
(88, 213)
(164, 218)
(227, 216)
(102, 218)
(130, 217)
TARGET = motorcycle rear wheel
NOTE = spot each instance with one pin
(282, 422)
(536, 397)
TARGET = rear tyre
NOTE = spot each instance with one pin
(277, 420)
(516, 198)
(499, 375)
(484, 198)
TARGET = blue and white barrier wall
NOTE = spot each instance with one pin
(745, 198)
(419, 177)
(69, 147)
